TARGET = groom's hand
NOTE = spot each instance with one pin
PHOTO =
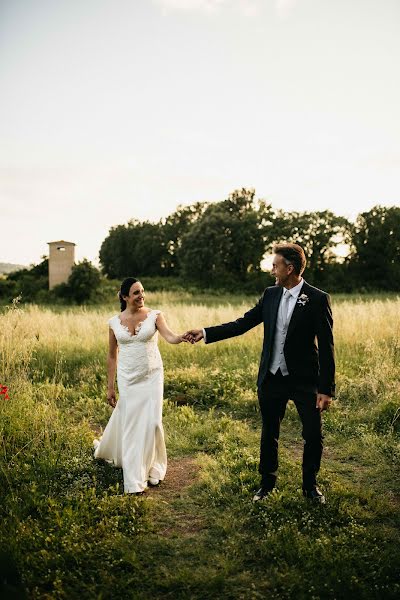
(193, 335)
(323, 402)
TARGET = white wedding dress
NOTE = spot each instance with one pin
(134, 436)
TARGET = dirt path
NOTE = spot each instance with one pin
(176, 516)
(181, 473)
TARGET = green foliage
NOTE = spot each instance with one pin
(73, 520)
(219, 246)
(83, 284)
(30, 283)
(222, 244)
(387, 417)
(319, 233)
(33, 285)
(69, 532)
(7, 289)
(134, 249)
(227, 242)
(216, 242)
(175, 227)
(376, 241)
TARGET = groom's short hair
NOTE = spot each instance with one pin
(293, 254)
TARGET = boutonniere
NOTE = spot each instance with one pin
(303, 299)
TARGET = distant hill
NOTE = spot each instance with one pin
(9, 268)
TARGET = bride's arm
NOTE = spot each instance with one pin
(111, 367)
(166, 333)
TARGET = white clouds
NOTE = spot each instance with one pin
(249, 8)
(284, 8)
(246, 8)
(206, 6)
(187, 101)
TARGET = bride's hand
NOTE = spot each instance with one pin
(111, 399)
(193, 335)
(182, 338)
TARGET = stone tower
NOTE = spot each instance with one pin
(61, 261)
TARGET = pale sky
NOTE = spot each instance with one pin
(120, 109)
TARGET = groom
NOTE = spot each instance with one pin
(297, 363)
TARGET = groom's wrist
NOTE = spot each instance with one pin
(204, 335)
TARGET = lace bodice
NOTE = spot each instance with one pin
(138, 354)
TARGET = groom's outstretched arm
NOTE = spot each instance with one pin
(249, 320)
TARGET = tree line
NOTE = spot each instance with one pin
(223, 244)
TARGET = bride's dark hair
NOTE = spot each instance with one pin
(124, 290)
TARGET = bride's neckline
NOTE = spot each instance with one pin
(138, 326)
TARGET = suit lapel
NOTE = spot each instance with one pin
(297, 311)
(274, 307)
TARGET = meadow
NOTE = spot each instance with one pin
(67, 531)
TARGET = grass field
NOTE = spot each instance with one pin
(68, 532)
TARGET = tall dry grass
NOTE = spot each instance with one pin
(356, 324)
(69, 532)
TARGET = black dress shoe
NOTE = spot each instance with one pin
(315, 495)
(261, 494)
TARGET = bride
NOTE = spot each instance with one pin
(134, 436)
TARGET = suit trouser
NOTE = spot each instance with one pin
(273, 396)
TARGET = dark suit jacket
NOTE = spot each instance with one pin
(310, 324)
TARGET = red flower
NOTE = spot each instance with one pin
(4, 392)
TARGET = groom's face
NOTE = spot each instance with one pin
(280, 270)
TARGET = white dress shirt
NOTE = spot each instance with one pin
(285, 311)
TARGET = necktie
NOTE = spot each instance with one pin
(285, 306)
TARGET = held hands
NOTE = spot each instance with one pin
(193, 335)
(323, 402)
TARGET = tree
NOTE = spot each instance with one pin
(82, 285)
(319, 234)
(376, 248)
(227, 242)
(137, 248)
(30, 282)
(174, 228)
(113, 252)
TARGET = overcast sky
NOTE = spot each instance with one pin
(120, 109)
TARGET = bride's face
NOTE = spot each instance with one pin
(136, 295)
